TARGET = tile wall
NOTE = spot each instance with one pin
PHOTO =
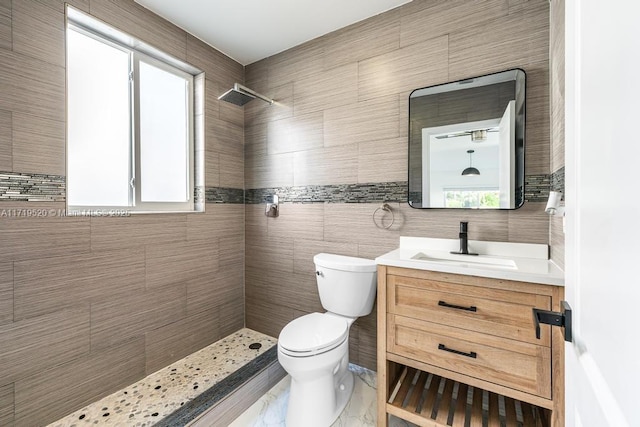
(341, 120)
(89, 305)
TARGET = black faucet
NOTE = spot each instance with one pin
(464, 240)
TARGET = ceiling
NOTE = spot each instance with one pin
(250, 30)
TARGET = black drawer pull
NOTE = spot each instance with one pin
(471, 354)
(459, 307)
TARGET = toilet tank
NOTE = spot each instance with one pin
(347, 285)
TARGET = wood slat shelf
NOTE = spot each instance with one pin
(431, 400)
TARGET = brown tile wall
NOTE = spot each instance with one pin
(341, 118)
(88, 304)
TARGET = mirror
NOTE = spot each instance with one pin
(466, 143)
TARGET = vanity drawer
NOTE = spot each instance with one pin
(514, 364)
(498, 312)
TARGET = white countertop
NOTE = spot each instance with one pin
(530, 265)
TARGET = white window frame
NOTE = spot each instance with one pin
(161, 206)
(136, 205)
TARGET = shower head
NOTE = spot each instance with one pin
(240, 95)
(236, 97)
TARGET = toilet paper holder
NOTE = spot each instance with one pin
(272, 210)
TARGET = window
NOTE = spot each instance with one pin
(471, 198)
(130, 131)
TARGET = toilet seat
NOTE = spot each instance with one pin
(313, 334)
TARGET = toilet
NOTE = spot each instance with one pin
(314, 349)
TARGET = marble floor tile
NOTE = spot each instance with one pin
(271, 409)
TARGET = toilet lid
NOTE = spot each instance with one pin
(313, 333)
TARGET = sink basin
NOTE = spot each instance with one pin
(467, 260)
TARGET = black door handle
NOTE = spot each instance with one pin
(554, 318)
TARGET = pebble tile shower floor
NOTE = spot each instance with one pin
(150, 400)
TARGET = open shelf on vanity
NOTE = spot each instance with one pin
(427, 399)
(472, 340)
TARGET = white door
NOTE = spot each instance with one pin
(603, 212)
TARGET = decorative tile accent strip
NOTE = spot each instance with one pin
(224, 195)
(198, 194)
(52, 188)
(343, 193)
(32, 187)
(557, 180)
(536, 188)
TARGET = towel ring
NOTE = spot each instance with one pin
(385, 208)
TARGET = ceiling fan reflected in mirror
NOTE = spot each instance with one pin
(478, 135)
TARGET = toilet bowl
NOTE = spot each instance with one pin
(314, 348)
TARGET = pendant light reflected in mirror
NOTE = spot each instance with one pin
(470, 171)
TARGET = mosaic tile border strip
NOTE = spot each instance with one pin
(198, 194)
(536, 187)
(557, 180)
(224, 195)
(343, 193)
(32, 187)
(194, 408)
(536, 190)
(26, 187)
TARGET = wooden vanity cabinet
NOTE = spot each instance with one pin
(462, 350)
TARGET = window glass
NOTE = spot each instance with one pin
(164, 135)
(98, 132)
(469, 198)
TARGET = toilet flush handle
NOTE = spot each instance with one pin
(319, 273)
